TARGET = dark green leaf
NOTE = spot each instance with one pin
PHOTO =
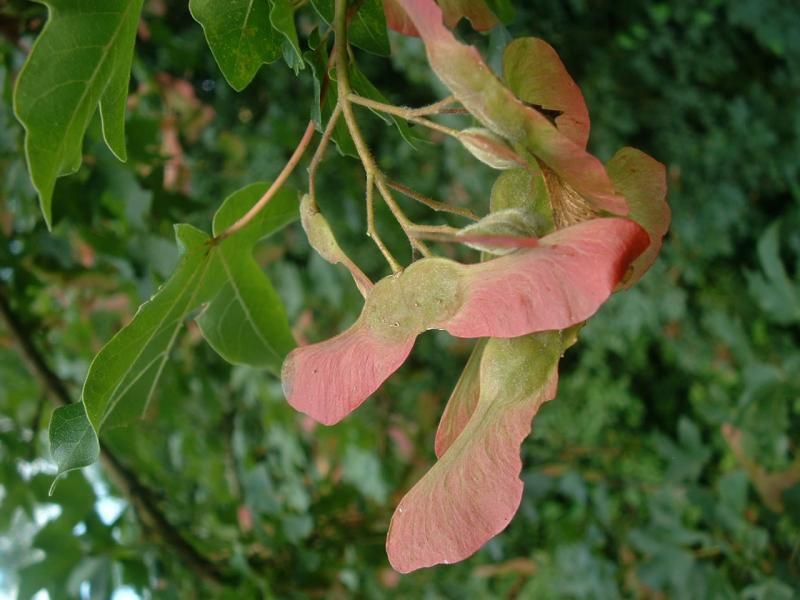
(367, 29)
(282, 18)
(81, 59)
(364, 87)
(240, 36)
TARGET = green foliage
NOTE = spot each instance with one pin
(82, 59)
(240, 36)
(631, 489)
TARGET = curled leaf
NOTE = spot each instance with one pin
(643, 181)
(81, 62)
(464, 72)
(473, 491)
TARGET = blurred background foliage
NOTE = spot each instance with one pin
(667, 467)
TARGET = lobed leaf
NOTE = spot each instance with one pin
(775, 291)
(473, 491)
(561, 281)
(240, 36)
(123, 376)
(81, 59)
(245, 320)
(464, 72)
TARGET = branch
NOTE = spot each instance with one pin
(141, 497)
(301, 148)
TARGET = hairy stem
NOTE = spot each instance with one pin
(372, 231)
(409, 114)
(431, 203)
(301, 148)
(371, 169)
(319, 153)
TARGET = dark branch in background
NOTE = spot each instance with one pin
(139, 495)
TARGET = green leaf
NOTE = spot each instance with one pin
(503, 9)
(774, 291)
(123, 376)
(240, 36)
(81, 59)
(367, 29)
(246, 322)
(73, 442)
(282, 18)
(365, 88)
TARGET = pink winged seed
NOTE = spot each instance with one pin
(329, 380)
(560, 282)
(465, 73)
(643, 180)
(462, 402)
(472, 492)
(535, 73)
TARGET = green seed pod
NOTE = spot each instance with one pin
(489, 148)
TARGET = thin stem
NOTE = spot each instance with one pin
(372, 231)
(401, 217)
(370, 167)
(404, 113)
(319, 153)
(433, 109)
(301, 148)
(430, 202)
(435, 229)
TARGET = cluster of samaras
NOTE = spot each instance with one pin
(567, 232)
